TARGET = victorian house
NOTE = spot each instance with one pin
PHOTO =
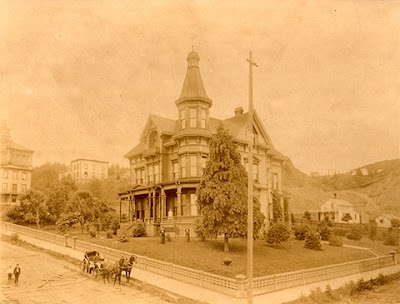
(166, 165)
(15, 168)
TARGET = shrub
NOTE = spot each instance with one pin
(324, 231)
(391, 239)
(355, 233)
(92, 232)
(313, 241)
(301, 232)
(200, 230)
(14, 237)
(277, 234)
(372, 231)
(336, 241)
(139, 229)
(340, 231)
(109, 234)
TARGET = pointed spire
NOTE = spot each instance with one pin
(193, 87)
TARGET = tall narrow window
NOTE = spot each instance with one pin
(183, 166)
(23, 175)
(5, 174)
(193, 165)
(203, 118)
(23, 188)
(151, 173)
(15, 174)
(183, 122)
(14, 188)
(4, 188)
(176, 170)
(193, 118)
(156, 173)
(275, 181)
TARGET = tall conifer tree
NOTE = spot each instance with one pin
(222, 194)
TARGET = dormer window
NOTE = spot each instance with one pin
(153, 139)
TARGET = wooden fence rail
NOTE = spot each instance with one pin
(233, 287)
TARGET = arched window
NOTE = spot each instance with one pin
(153, 139)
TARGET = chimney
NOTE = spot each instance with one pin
(238, 111)
(334, 195)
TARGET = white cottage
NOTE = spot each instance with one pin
(338, 211)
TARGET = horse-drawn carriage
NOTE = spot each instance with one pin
(91, 263)
(94, 263)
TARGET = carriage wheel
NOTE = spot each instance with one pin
(82, 267)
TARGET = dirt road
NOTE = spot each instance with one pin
(47, 280)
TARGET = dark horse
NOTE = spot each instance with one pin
(108, 269)
(127, 266)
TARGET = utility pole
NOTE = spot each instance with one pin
(250, 223)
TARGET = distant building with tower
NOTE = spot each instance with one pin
(84, 170)
(15, 168)
(167, 163)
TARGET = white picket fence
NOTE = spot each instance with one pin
(233, 287)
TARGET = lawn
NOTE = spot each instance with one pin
(377, 246)
(208, 255)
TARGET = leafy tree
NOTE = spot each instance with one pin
(33, 206)
(45, 176)
(355, 233)
(372, 230)
(59, 195)
(277, 234)
(222, 193)
(346, 217)
(83, 203)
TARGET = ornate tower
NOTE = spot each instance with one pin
(193, 103)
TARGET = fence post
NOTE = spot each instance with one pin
(145, 262)
(170, 270)
(66, 239)
(240, 281)
(395, 257)
(302, 276)
(74, 242)
(275, 283)
(202, 277)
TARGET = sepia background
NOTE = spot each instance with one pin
(79, 78)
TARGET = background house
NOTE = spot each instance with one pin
(166, 165)
(337, 210)
(83, 170)
(15, 168)
(385, 220)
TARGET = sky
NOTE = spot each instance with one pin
(78, 79)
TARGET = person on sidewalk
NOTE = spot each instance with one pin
(17, 272)
(9, 273)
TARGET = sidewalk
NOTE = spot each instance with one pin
(209, 296)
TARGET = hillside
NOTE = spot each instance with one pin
(374, 188)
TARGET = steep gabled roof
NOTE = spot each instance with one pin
(136, 150)
(15, 146)
(337, 202)
(165, 125)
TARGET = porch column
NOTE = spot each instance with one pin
(147, 210)
(133, 206)
(154, 204)
(283, 207)
(163, 204)
(179, 201)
